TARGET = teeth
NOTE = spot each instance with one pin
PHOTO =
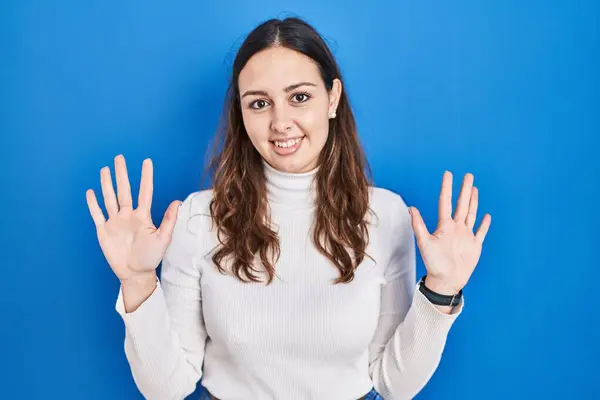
(289, 143)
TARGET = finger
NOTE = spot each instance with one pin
(483, 228)
(462, 205)
(445, 200)
(472, 215)
(108, 192)
(95, 210)
(123, 186)
(418, 225)
(146, 186)
(165, 230)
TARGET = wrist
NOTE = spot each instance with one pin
(139, 281)
(137, 290)
(440, 286)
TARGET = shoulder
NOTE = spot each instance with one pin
(193, 218)
(394, 230)
(390, 208)
(197, 203)
(385, 197)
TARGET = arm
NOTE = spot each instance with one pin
(165, 335)
(411, 333)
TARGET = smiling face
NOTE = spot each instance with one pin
(286, 108)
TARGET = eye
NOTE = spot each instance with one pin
(258, 104)
(301, 97)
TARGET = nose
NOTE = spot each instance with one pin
(281, 120)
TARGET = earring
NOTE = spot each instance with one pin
(332, 115)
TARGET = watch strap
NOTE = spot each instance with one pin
(437, 298)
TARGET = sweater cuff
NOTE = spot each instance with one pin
(430, 316)
(151, 310)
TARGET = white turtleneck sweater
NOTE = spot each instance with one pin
(301, 337)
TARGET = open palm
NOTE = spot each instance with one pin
(451, 253)
(130, 242)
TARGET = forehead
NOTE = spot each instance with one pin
(276, 68)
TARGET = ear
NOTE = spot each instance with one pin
(334, 96)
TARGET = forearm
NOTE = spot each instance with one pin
(413, 353)
(160, 366)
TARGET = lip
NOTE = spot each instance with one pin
(286, 139)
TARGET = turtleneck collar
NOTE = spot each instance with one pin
(290, 190)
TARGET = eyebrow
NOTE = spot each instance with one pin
(287, 89)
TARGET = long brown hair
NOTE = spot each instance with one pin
(239, 206)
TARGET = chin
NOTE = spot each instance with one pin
(291, 166)
(299, 167)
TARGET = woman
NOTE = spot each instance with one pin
(293, 277)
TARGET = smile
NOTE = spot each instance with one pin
(287, 147)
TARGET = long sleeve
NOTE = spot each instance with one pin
(411, 332)
(165, 336)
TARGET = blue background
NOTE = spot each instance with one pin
(507, 90)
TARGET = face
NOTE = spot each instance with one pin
(286, 108)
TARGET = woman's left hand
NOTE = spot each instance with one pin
(451, 252)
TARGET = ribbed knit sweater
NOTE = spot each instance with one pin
(301, 337)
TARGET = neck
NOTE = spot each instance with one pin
(290, 190)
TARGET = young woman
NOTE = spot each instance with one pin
(293, 277)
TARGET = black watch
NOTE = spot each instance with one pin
(439, 299)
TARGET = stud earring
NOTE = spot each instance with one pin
(332, 115)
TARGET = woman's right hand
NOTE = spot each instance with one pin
(131, 243)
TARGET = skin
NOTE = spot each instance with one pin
(283, 96)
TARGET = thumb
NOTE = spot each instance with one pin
(418, 224)
(165, 230)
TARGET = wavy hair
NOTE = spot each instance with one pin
(239, 207)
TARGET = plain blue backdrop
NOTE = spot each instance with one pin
(507, 90)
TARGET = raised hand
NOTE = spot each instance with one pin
(131, 243)
(451, 253)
